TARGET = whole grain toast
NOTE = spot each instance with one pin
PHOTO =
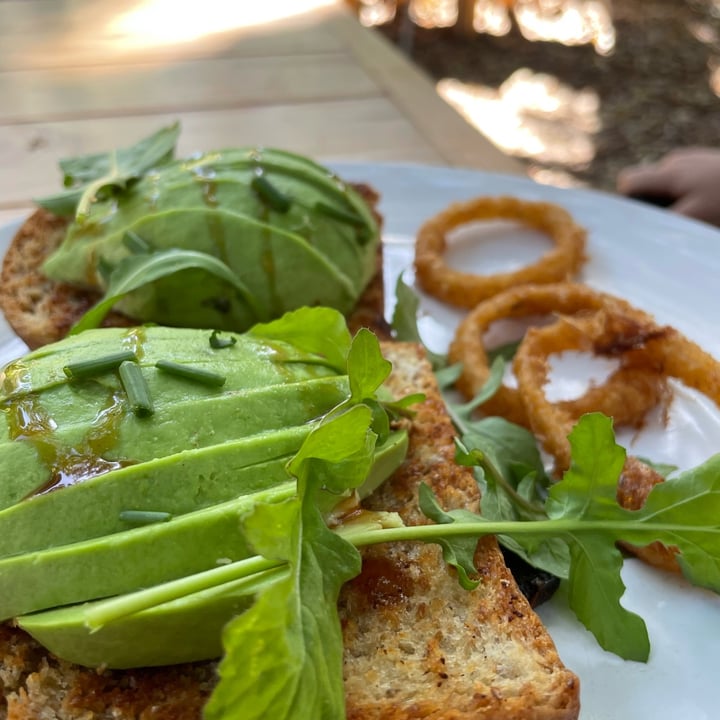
(416, 644)
(41, 311)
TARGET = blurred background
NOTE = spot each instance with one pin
(576, 89)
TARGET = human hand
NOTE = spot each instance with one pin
(687, 180)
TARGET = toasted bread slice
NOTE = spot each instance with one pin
(416, 644)
(41, 311)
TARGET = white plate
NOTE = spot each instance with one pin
(666, 265)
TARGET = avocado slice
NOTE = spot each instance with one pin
(54, 429)
(183, 630)
(308, 240)
(150, 637)
(117, 563)
(129, 560)
(116, 442)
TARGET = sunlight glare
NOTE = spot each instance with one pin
(492, 18)
(376, 12)
(433, 13)
(531, 115)
(570, 22)
(164, 22)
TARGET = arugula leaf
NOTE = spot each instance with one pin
(458, 552)
(87, 175)
(330, 337)
(283, 657)
(510, 472)
(594, 592)
(135, 271)
(345, 455)
(584, 516)
(589, 486)
(404, 320)
(367, 368)
(688, 508)
(461, 413)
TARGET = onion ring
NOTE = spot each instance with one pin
(467, 290)
(640, 344)
(606, 332)
(626, 395)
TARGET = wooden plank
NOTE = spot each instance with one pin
(24, 16)
(66, 42)
(193, 85)
(414, 94)
(356, 130)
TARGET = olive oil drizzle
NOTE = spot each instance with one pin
(29, 422)
(15, 379)
(135, 342)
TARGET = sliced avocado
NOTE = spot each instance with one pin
(316, 247)
(117, 563)
(179, 484)
(63, 451)
(183, 630)
(54, 428)
(129, 560)
(294, 272)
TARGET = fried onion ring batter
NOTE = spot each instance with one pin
(640, 344)
(467, 290)
(626, 395)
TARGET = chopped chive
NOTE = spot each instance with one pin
(144, 517)
(270, 195)
(218, 342)
(98, 366)
(135, 244)
(136, 389)
(346, 216)
(188, 372)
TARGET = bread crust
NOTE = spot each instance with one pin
(416, 644)
(38, 309)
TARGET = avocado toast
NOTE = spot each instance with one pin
(415, 643)
(223, 239)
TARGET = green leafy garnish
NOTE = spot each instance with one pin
(283, 658)
(89, 176)
(192, 373)
(144, 517)
(270, 195)
(404, 320)
(135, 271)
(331, 342)
(582, 523)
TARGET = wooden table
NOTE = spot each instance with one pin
(79, 76)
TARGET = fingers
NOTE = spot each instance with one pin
(653, 179)
(696, 207)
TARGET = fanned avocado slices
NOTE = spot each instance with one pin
(104, 495)
(289, 231)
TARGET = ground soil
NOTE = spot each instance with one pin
(654, 88)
